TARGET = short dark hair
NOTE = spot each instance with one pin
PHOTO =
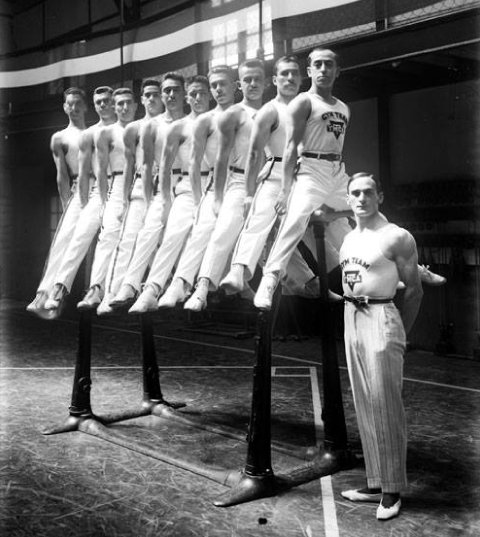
(123, 91)
(149, 82)
(335, 55)
(198, 79)
(255, 62)
(378, 185)
(174, 76)
(290, 58)
(225, 69)
(103, 89)
(75, 91)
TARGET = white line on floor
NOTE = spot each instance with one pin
(328, 501)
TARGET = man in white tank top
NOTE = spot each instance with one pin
(316, 127)
(178, 145)
(234, 126)
(374, 257)
(160, 199)
(205, 135)
(134, 200)
(64, 145)
(110, 160)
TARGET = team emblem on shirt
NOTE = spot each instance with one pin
(351, 277)
(336, 127)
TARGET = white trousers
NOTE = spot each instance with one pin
(318, 182)
(227, 229)
(111, 227)
(179, 225)
(88, 224)
(192, 255)
(375, 344)
(61, 240)
(132, 223)
(148, 239)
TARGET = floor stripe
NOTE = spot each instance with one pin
(328, 501)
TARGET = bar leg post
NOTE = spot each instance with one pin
(337, 455)
(152, 393)
(257, 479)
(80, 408)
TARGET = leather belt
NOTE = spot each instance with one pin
(202, 174)
(114, 174)
(332, 157)
(234, 169)
(363, 301)
(177, 171)
(275, 159)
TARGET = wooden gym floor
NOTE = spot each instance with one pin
(75, 484)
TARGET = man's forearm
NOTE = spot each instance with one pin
(410, 307)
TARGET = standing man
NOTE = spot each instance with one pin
(106, 208)
(64, 145)
(205, 147)
(134, 199)
(178, 144)
(235, 126)
(374, 257)
(159, 199)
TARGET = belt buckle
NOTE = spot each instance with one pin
(361, 301)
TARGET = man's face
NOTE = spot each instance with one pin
(197, 97)
(252, 82)
(323, 69)
(173, 94)
(287, 79)
(222, 88)
(125, 107)
(363, 197)
(75, 107)
(103, 103)
(152, 100)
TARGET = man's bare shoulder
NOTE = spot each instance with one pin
(267, 114)
(396, 240)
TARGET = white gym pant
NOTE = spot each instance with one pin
(229, 223)
(180, 221)
(258, 225)
(148, 238)
(63, 235)
(203, 226)
(111, 227)
(88, 223)
(317, 182)
(132, 223)
(375, 344)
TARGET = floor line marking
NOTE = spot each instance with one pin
(328, 501)
(291, 358)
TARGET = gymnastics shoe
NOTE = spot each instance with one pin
(429, 277)
(104, 307)
(233, 281)
(147, 301)
(266, 289)
(386, 513)
(92, 298)
(198, 301)
(57, 297)
(38, 302)
(124, 297)
(175, 293)
(356, 495)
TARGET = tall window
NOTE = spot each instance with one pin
(237, 38)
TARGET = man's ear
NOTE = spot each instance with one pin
(239, 86)
(309, 72)
(380, 198)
